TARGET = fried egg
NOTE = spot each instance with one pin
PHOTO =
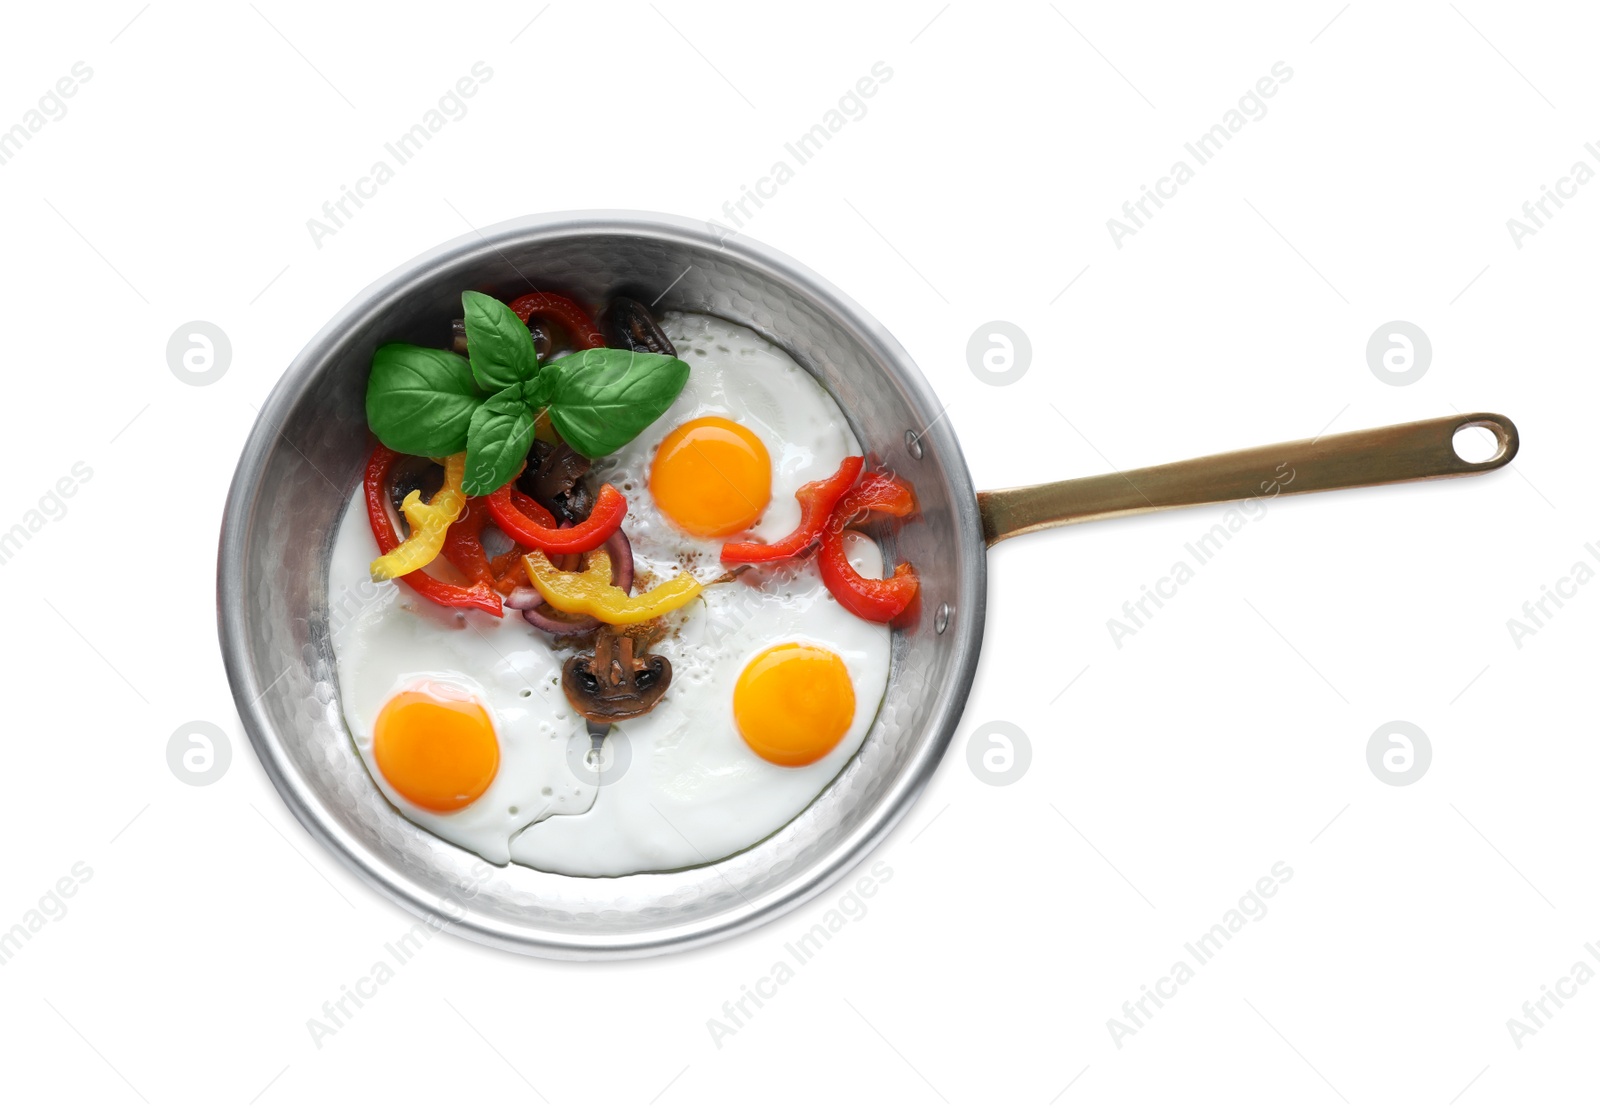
(682, 786)
(727, 457)
(458, 716)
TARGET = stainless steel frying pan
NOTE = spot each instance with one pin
(304, 457)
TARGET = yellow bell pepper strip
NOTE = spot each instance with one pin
(429, 522)
(590, 591)
(383, 533)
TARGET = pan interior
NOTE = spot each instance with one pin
(304, 461)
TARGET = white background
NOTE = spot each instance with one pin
(1228, 734)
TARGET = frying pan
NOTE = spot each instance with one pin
(303, 460)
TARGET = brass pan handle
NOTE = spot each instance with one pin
(1379, 456)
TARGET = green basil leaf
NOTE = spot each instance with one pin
(498, 343)
(538, 390)
(603, 398)
(420, 400)
(498, 441)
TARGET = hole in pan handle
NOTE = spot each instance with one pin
(1378, 456)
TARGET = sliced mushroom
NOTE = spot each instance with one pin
(575, 506)
(422, 474)
(551, 478)
(614, 684)
(628, 325)
(543, 343)
(541, 337)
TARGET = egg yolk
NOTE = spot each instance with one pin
(793, 703)
(711, 477)
(436, 747)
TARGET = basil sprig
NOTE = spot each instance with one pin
(435, 402)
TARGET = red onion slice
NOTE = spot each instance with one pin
(523, 598)
(559, 624)
(546, 618)
(621, 551)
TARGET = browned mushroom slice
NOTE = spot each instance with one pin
(628, 325)
(420, 474)
(551, 478)
(614, 684)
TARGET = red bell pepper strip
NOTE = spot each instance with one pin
(531, 508)
(610, 507)
(510, 572)
(877, 492)
(510, 577)
(817, 501)
(548, 305)
(480, 596)
(463, 543)
(876, 600)
(502, 564)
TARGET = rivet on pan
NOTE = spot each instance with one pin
(941, 619)
(914, 444)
